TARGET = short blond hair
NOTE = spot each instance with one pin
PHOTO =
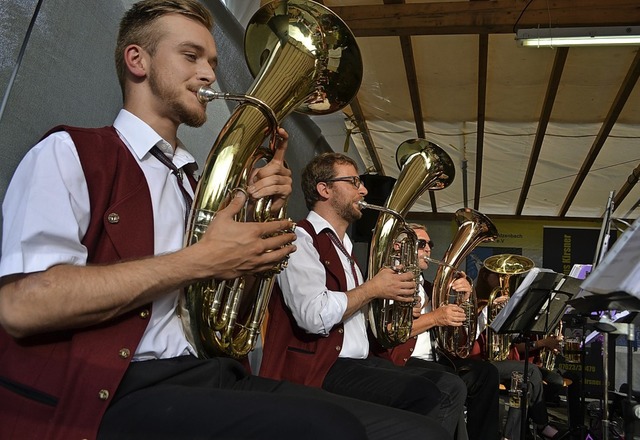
(417, 226)
(137, 26)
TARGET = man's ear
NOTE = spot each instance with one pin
(323, 190)
(135, 58)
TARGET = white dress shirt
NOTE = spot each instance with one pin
(46, 214)
(424, 347)
(315, 308)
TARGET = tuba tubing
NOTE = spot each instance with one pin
(505, 266)
(473, 228)
(298, 51)
(424, 166)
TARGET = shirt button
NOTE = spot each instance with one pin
(144, 314)
(340, 330)
(113, 218)
(411, 350)
(103, 394)
(124, 353)
(327, 262)
(338, 348)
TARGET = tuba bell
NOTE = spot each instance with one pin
(304, 58)
(506, 266)
(473, 228)
(424, 166)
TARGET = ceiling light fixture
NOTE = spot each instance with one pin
(583, 36)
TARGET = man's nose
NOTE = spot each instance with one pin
(207, 74)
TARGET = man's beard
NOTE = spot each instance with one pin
(348, 212)
(171, 98)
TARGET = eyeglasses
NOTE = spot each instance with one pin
(354, 180)
(422, 243)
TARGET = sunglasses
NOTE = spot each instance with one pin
(422, 243)
(354, 180)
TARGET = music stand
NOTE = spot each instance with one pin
(520, 314)
(615, 285)
(622, 326)
(553, 310)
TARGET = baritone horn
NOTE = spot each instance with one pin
(304, 58)
(424, 166)
(505, 266)
(473, 228)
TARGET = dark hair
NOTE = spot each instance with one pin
(137, 26)
(320, 169)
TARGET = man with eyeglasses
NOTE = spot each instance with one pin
(481, 378)
(318, 334)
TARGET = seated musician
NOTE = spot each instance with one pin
(480, 377)
(537, 410)
(317, 332)
(555, 380)
(92, 266)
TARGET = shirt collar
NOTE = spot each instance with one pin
(141, 138)
(320, 224)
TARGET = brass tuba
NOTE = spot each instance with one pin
(304, 58)
(506, 266)
(473, 228)
(424, 166)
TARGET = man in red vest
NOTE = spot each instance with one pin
(93, 264)
(317, 333)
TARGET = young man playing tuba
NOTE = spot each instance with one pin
(93, 264)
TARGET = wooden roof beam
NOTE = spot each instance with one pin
(616, 107)
(545, 114)
(479, 17)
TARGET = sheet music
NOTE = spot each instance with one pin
(580, 271)
(617, 316)
(619, 270)
(516, 297)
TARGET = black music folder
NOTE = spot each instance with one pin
(553, 309)
(524, 307)
(615, 283)
(619, 270)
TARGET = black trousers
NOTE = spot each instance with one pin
(439, 396)
(482, 380)
(216, 399)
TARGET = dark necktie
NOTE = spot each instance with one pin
(352, 261)
(158, 154)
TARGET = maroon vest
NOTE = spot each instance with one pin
(290, 353)
(57, 386)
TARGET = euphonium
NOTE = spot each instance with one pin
(424, 166)
(303, 58)
(473, 229)
(506, 266)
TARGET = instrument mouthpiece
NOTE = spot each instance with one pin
(440, 263)
(206, 94)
